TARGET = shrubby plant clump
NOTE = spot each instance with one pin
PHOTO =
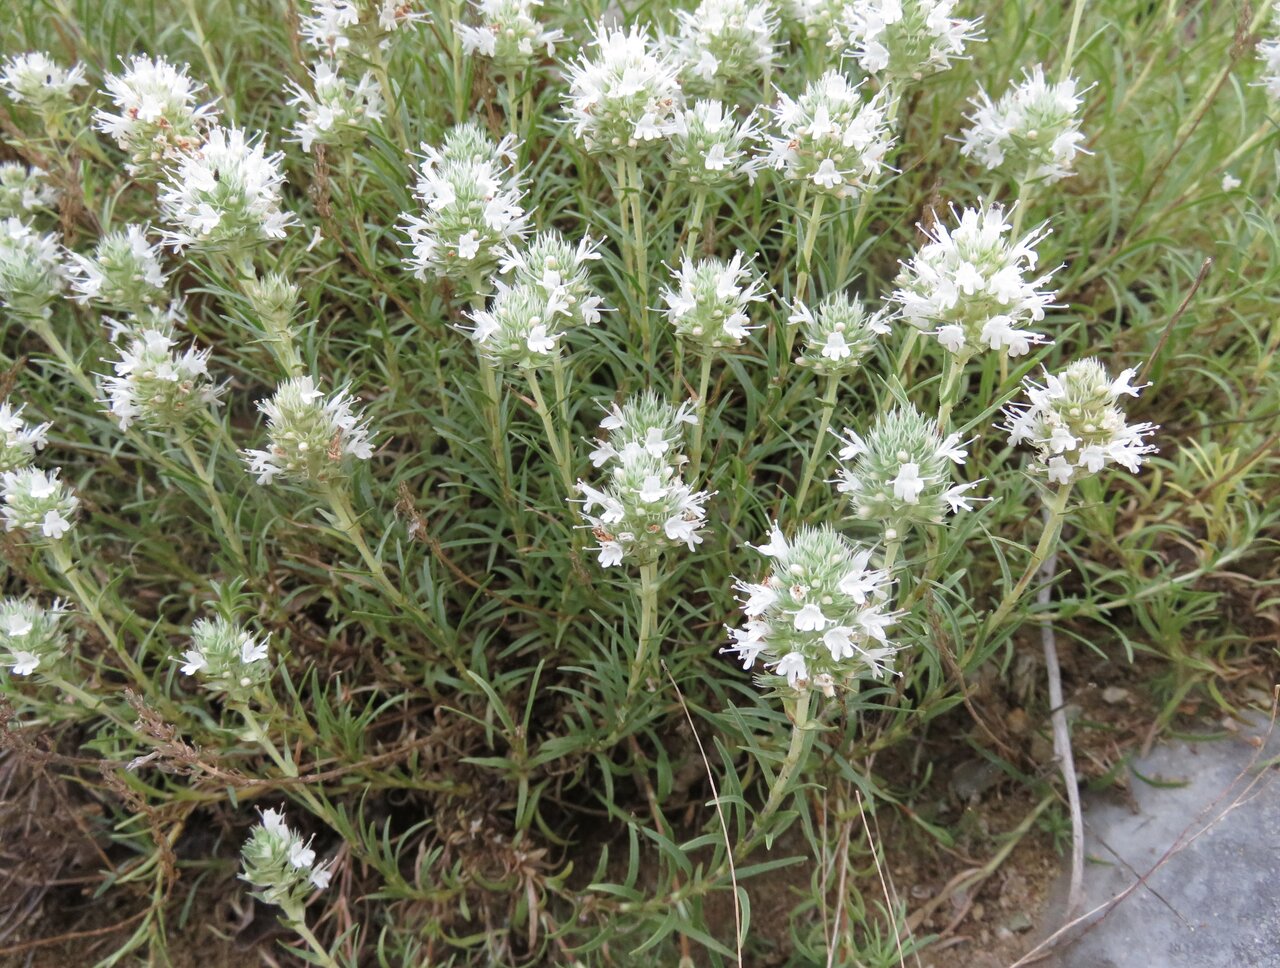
(513, 484)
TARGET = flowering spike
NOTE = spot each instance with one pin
(1033, 130)
(37, 502)
(905, 40)
(31, 636)
(1075, 424)
(313, 438)
(818, 620)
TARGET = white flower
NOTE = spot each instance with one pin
(830, 137)
(226, 194)
(969, 287)
(278, 862)
(707, 146)
(31, 637)
(900, 473)
(902, 39)
(1033, 131)
(31, 274)
(1075, 424)
(37, 501)
(37, 79)
(622, 92)
(158, 116)
(1230, 182)
(155, 385)
(724, 44)
(23, 663)
(124, 271)
(339, 111)
(813, 617)
(709, 301)
(226, 658)
(313, 438)
(19, 440)
(509, 34)
(810, 619)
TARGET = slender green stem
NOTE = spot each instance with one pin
(648, 627)
(1052, 529)
(513, 108)
(547, 415)
(892, 545)
(699, 430)
(230, 533)
(820, 441)
(677, 373)
(801, 741)
(89, 599)
(44, 330)
(624, 216)
(295, 920)
(349, 524)
(952, 369)
(90, 702)
(1077, 13)
(225, 102)
(634, 192)
(806, 251)
(695, 221)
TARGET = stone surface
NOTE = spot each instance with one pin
(1214, 901)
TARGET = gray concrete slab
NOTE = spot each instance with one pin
(1210, 850)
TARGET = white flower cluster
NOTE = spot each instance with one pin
(312, 438)
(900, 474)
(158, 114)
(32, 275)
(1034, 130)
(37, 80)
(623, 93)
(227, 659)
(648, 424)
(645, 506)
(19, 440)
(24, 190)
(708, 147)
(470, 194)
(830, 138)
(1075, 425)
(31, 636)
(560, 270)
(1269, 54)
(724, 44)
(280, 864)
(838, 333)
(339, 111)
(225, 195)
(812, 19)
(550, 294)
(968, 286)
(336, 28)
(509, 34)
(155, 385)
(710, 301)
(819, 618)
(38, 502)
(123, 273)
(904, 40)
